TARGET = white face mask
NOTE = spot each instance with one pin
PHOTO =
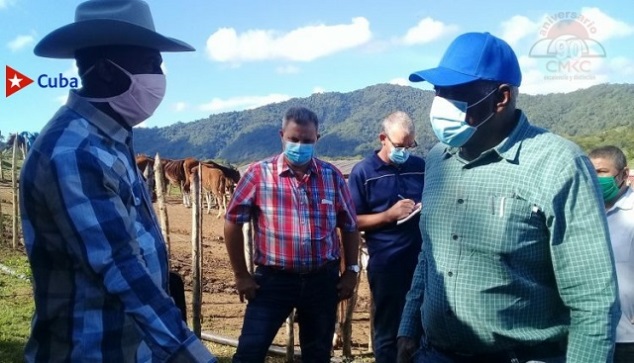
(449, 120)
(140, 100)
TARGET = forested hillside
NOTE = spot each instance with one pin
(350, 122)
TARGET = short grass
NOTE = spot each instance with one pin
(16, 299)
(16, 310)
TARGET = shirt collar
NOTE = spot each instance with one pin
(100, 120)
(284, 168)
(625, 202)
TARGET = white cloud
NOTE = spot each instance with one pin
(519, 27)
(6, 3)
(427, 30)
(623, 67)
(289, 69)
(303, 44)
(319, 89)
(526, 62)
(242, 103)
(400, 81)
(20, 42)
(179, 106)
(604, 26)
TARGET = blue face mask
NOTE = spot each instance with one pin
(448, 120)
(398, 155)
(297, 153)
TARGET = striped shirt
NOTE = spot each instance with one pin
(517, 251)
(294, 221)
(97, 255)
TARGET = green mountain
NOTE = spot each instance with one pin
(350, 122)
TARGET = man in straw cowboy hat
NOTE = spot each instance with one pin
(96, 251)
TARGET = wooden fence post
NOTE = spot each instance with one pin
(290, 338)
(160, 199)
(247, 234)
(14, 188)
(1, 167)
(346, 330)
(196, 254)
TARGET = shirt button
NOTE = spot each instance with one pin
(449, 273)
(137, 200)
(460, 201)
(454, 236)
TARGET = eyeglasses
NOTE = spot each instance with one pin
(411, 146)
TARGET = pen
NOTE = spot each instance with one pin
(400, 196)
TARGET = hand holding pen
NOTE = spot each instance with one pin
(401, 208)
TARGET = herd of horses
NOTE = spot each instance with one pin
(217, 181)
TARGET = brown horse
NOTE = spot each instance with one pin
(214, 183)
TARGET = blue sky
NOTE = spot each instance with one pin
(251, 53)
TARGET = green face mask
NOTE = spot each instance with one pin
(609, 188)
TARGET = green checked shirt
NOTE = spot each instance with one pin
(516, 251)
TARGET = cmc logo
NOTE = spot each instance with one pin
(16, 81)
(568, 46)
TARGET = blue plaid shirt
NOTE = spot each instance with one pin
(97, 254)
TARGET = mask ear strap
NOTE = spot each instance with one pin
(483, 98)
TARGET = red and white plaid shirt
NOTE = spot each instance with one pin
(294, 221)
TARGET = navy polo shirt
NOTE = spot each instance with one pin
(375, 187)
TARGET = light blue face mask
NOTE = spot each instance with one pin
(398, 155)
(449, 120)
(298, 153)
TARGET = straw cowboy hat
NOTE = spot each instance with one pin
(108, 22)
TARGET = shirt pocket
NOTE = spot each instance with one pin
(326, 219)
(517, 224)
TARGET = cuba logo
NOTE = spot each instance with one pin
(17, 81)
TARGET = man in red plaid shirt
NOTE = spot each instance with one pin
(296, 202)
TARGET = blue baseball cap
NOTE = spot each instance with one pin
(473, 57)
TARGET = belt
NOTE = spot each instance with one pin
(323, 268)
(518, 354)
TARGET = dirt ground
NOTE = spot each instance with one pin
(222, 311)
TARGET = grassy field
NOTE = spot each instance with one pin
(16, 300)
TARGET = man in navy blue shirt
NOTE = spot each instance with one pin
(386, 188)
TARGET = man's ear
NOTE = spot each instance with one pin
(626, 174)
(503, 96)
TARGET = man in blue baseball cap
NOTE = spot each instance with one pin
(516, 263)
